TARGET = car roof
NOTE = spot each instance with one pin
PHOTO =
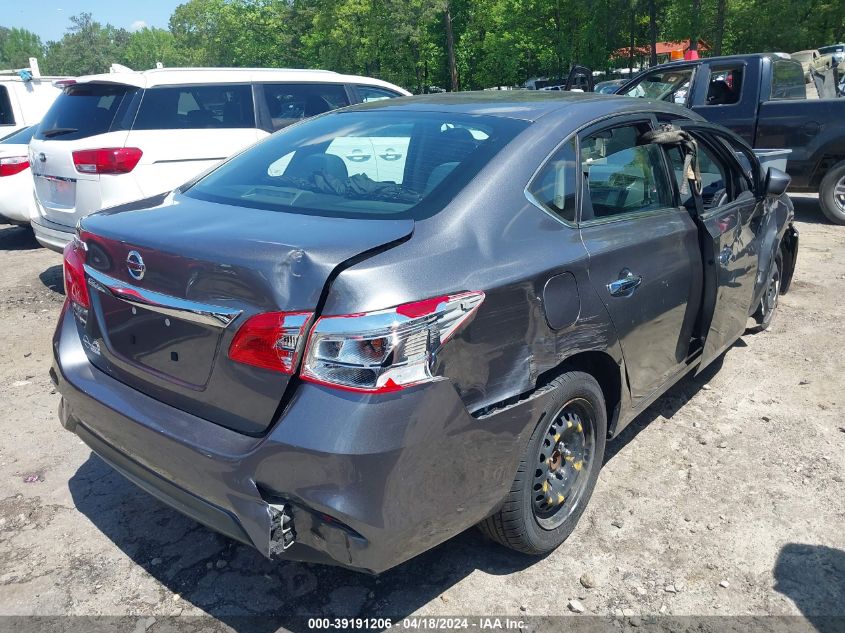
(525, 105)
(710, 60)
(43, 80)
(185, 76)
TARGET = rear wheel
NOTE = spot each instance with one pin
(832, 194)
(557, 472)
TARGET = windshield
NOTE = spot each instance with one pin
(375, 163)
(84, 110)
(670, 85)
(803, 57)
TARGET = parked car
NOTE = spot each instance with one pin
(763, 99)
(610, 86)
(16, 201)
(111, 139)
(339, 369)
(836, 51)
(25, 96)
(812, 60)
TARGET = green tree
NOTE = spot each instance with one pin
(148, 46)
(88, 47)
(17, 46)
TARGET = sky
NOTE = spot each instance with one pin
(50, 18)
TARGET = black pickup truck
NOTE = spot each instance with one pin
(762, 98)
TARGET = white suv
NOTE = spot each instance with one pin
(111, 139)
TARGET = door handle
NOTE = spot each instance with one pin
(625, 285)
(725, 256)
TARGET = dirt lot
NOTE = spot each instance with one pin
(724, 498)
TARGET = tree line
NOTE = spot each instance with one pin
(421, 44)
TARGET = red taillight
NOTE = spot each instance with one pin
(388, 350)
(108, 160)
(272, 340)
(76, 290)
(11, 165)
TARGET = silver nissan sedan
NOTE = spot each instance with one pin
(350, 356)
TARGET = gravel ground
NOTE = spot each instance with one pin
(723, 498)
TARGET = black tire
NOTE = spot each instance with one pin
(769, 301)
(518, 524)
(831, 201)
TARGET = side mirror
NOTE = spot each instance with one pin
(776, 182)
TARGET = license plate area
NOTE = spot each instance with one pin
(164, 345)
(56, 192)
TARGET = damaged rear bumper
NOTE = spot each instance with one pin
(348, 479)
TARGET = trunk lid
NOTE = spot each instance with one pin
(204, 269)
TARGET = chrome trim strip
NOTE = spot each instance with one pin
(202, 313)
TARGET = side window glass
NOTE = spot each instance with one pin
(665, 85)
(194, 107)
(371, 93)
(623, 177)
(289, 103)
(714, 177)
(554, 186)
(725, 85)
(787, 80)
(7, 117)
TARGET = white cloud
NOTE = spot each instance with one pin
(137, 25)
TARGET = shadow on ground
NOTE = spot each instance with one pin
(807, 209)
(238, 586)
(53, 279)
(667, 405)
(813, 577)
(17, 238)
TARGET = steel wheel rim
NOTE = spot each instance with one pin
(839, 194)
(770, 298)
(562, 463)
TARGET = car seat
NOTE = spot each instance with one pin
(720, 93)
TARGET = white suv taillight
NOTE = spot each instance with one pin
(388, 350)
(107, 160)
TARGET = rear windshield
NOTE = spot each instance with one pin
(196, 107)
(7, 117)
(21, 137)
(84, 110)
(374, 163)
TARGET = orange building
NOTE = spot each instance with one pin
(666, 51)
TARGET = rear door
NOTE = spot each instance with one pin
(645, 261)
(729, 215)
